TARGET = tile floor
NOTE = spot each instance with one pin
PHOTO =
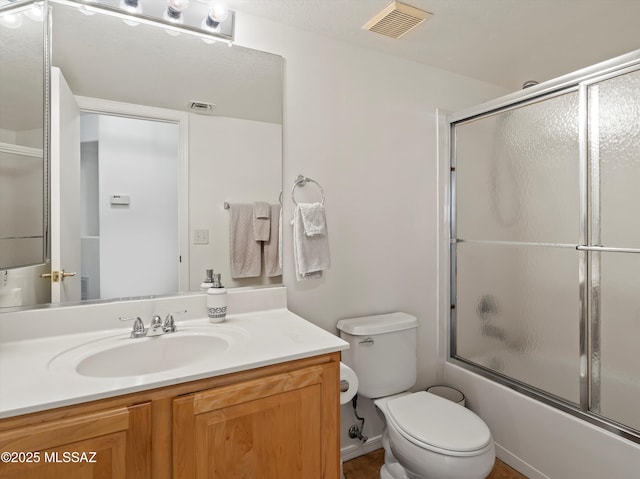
(368, 467)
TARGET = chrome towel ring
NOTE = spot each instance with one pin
(301, 181)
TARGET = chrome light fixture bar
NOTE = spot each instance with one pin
(207, 20)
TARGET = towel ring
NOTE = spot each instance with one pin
(301, 181)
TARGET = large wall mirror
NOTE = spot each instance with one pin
(22, 136)
(139, 175)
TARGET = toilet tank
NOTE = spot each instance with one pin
(382, 352)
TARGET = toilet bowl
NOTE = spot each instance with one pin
(432, 437)
(426, 436)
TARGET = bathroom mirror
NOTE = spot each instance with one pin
(22, 120)
(230, 153)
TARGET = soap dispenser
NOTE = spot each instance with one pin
(208, 281)
(216, 300)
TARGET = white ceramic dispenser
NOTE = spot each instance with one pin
(217, 300)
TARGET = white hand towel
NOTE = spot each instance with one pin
(261, 221)
(244, 251)
(311, 253)
(272, 262)
(313, 219)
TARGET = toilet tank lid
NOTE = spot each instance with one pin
(378, 324)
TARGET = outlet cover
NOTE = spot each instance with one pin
(200, 236)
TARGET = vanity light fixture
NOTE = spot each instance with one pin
(131, 6)
(217, 14)
(176, 16)
(173, 13)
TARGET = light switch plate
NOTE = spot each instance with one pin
(200, 236)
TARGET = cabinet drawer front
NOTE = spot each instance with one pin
(255, 389)
(65, 431)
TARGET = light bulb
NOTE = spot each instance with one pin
(131, 6)
(173, 13)
(218, 13)
(11, 20)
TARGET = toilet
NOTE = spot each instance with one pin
(425, 436)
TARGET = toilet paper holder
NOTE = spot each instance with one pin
(348, 383)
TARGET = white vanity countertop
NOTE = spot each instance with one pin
(32, 379)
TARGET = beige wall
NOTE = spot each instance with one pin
(365, 126)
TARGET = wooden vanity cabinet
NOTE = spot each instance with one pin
(277, 427)
(114, 443)
(280, 421)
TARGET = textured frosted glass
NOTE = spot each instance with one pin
(620, 338)
(517, 174)
(614, 141)
(517, 313)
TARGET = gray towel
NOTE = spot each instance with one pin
(244, 250)
(261, 221)
(272, 261)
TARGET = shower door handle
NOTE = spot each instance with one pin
(606, 249)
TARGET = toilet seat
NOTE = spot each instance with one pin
(437, 424)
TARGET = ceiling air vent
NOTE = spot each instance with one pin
(201, 106)
(396, 20)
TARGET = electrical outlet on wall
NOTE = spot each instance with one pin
(200, 236)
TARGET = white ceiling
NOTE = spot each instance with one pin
(504, 42)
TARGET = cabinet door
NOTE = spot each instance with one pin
(112, 444)
(281, 426)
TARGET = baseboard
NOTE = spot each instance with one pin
(518, 464)
(355, 450)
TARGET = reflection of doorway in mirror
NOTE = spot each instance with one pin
(130, 170)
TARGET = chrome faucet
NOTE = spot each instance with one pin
(138, 331)
(156, 327)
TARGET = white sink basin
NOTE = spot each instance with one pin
(121, 356)
(151, 355)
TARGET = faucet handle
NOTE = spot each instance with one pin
(138, 330)
(169, 325)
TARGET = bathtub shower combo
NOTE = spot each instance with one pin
(545, 236)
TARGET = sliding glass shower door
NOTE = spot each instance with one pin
(614, 161)
(545, 282)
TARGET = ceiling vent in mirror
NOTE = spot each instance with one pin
(396, 20)
(201, 106)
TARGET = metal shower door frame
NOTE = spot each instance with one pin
(589, 237)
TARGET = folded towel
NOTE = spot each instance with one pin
(311, 253)
(272, 262)
(313, 219)
(262, 210)
(261, 221)
(244, 250)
